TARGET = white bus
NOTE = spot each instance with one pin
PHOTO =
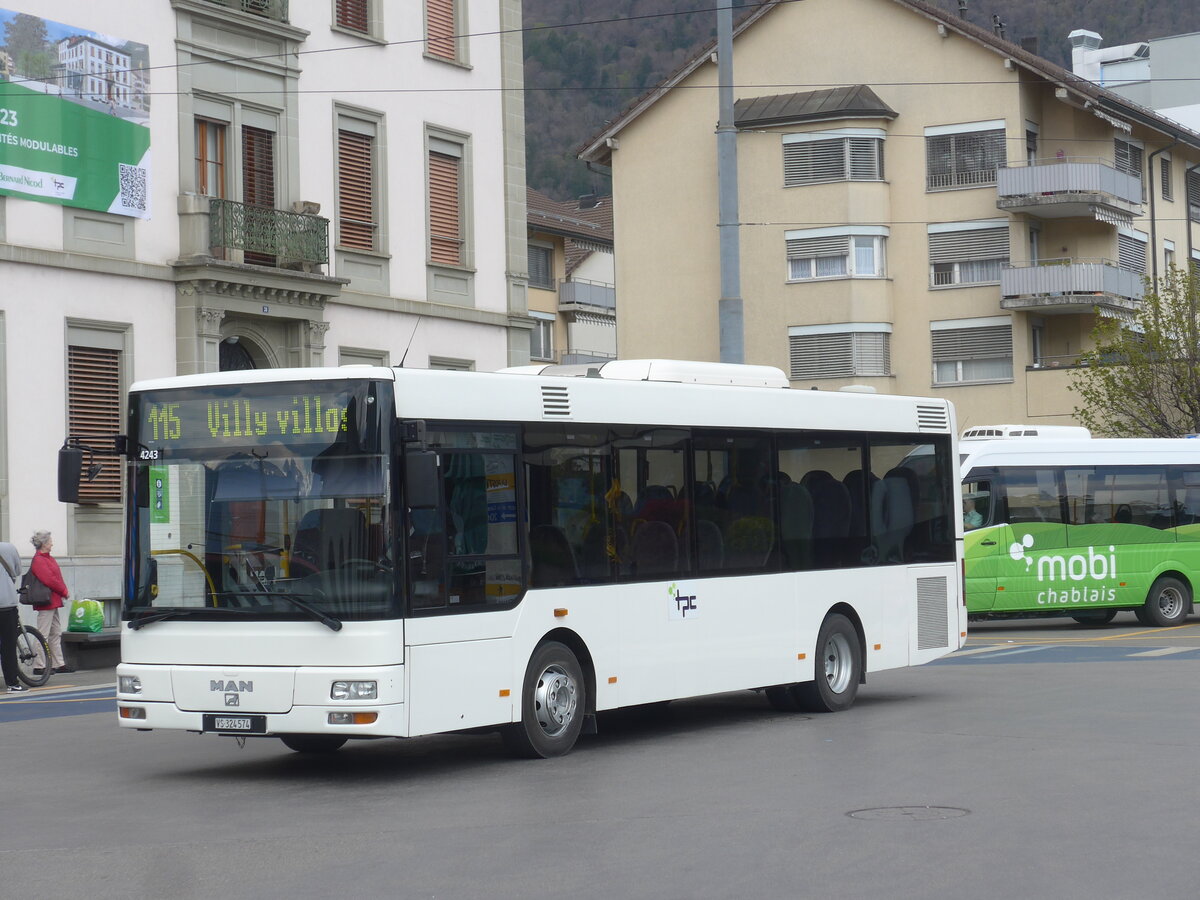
(326, 554)
(1082, 528)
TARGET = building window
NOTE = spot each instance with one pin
(353, 15)
(1168, 255)
(855, 252)
(1127, 157)
(963, 156)
(94, 411)
(441, 29)
(1193, 195)
(1164, 170)
(839, 351)
(967, 252)
(451, 364)
(210, 158)
(849, 154)
(541, 339)
(446, 231)
(258, 166)
(972, 350)
(1131, 249)
(541, 267)
(357, 209)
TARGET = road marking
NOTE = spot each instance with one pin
(1163, 651)
(1032, 649)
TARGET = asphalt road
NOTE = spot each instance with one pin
(1045, 760)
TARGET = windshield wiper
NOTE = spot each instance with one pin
(324, 618)
(333, 624)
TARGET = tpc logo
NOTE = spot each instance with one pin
(680, 604)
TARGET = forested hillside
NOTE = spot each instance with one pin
(586, 59)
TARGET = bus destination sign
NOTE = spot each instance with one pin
(299, 418)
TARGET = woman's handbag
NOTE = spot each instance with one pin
(32, 591)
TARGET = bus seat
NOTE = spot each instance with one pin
(860, 486)
(552, 556)
(654, 549)
(748, 542)
(711, 548)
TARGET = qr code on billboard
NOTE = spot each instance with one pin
(133, 187)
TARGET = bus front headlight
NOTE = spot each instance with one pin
(129, 684)
(354, 690)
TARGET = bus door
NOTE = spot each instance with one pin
(1121, 518)
(982, 537)
(1031, 573)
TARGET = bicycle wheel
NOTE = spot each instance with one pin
(33, 656)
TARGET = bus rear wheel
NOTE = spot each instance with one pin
(1167, 603)
(312, 743)
(553, 703)
(839, 668)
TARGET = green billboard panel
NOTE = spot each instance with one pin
(74, 116)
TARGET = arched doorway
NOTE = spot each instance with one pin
(235, 356)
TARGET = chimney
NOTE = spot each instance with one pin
(1083, 46)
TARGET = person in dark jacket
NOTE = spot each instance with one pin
(45, 569)
(8, 617)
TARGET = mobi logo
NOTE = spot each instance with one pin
(1092, 567)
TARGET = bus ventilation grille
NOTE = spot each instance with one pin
(556, 404)
(933, 628)
(932, 418)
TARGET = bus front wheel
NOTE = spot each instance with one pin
(839, 668)
(1167, 603)
(553, 703)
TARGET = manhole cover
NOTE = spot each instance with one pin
(910, 813)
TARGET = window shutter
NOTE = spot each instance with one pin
(539, 267)
(990, 342)
(356, 191)
(866, 159)
(809, 248)
(353, 14)
(258, 167)
(960, 246)
(1193, 196)
(821, 355)
(1127, 158)
(872, 353)
(94, 411)
(813, 162)
(1131, 253)
(1168, 191)
(445, 220)
(439, 28)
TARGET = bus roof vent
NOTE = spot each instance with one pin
(556, 402)
(932, 417)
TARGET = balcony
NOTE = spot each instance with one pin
(575, 357)
(1071, 187)
(587, 296)
(261, 236)
(276, 10)
(1070, 287)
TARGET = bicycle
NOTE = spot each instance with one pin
(33, 655)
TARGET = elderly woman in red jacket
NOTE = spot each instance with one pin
(45, 568)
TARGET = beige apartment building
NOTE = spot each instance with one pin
(925, 207)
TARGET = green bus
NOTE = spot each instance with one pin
(1081, 528)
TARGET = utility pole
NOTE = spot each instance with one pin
(729, 307)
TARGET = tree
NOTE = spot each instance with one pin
(1142, 379)
(26, 41)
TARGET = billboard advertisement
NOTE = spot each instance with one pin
(74, 116)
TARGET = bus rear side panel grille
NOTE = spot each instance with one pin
(933, 629)
(556, 403)
(932, 418)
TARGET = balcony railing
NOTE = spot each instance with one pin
(1054, 182)
(268, 237)
(276, 10)
(578, 357)
(587, 293)
(1070, 285)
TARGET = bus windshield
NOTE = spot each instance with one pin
(267, 501)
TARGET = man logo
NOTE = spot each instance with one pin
(232, 699)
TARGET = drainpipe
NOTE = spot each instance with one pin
(729, 307)
(1153, 227)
